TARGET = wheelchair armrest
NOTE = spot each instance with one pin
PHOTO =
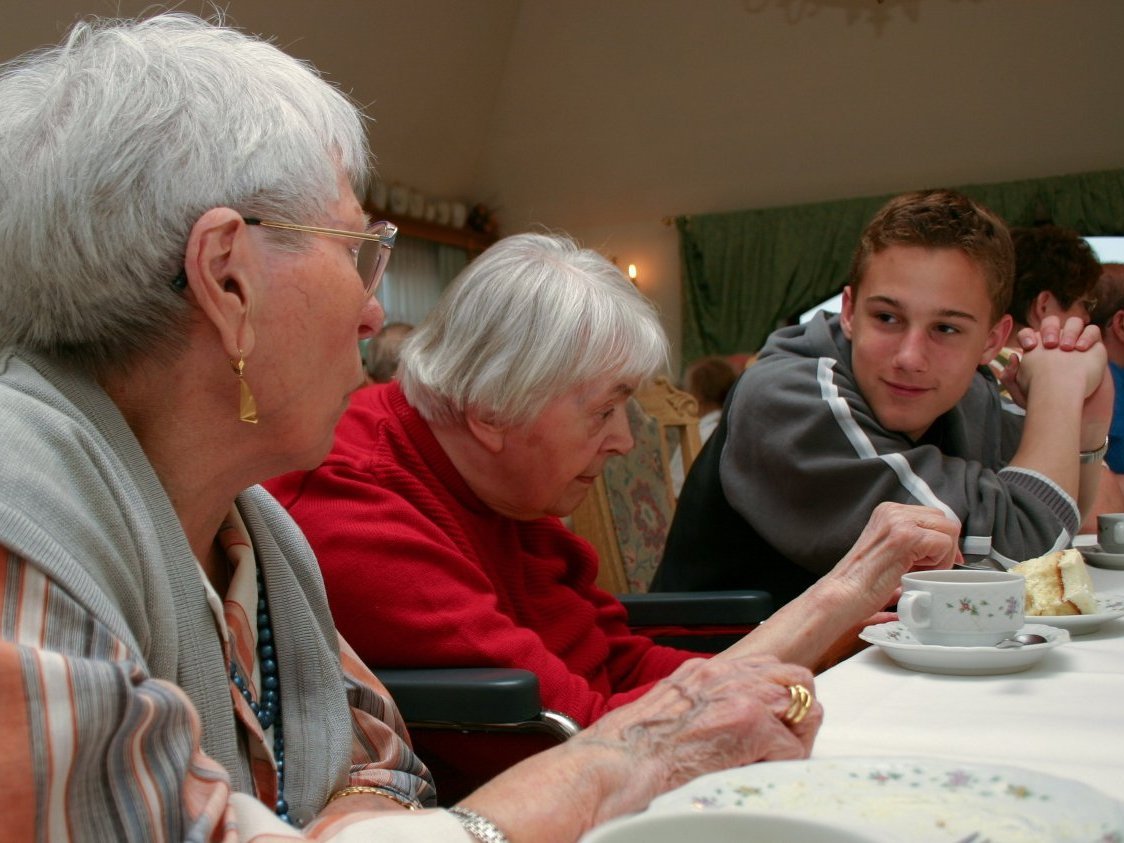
(471, 724)
(464, 695)
(697, 608)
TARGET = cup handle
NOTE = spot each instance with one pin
(1118, 533)
(914, 609)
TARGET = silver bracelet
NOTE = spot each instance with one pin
(1087, 457)
(481, 828)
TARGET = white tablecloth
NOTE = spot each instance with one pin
(1063, 716)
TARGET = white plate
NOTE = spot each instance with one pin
(1111, 607)
(722, 827)
(898, 643)
(1099, 558)
(922, 800)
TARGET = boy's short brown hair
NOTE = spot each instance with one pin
(943, 219)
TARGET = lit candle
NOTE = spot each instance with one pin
(632, 272)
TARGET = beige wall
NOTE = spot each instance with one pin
(601, 117)
(649, 109)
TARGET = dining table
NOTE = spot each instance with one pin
(1062, 716)
(940, 745)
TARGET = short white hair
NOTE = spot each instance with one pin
(530, 319)
(114, 143)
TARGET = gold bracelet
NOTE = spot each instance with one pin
(385, 793)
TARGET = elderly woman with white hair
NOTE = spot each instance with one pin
(186, 276)
(436, 516)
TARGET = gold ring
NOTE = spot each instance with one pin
(801, 703)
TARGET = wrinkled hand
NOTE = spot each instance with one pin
(708, 715)
(897, 539)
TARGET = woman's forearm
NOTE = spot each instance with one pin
(554, 796)
(896, 539)
(706, 716)
(802, 630)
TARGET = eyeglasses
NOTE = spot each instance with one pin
(1089, 304)
(372, 255)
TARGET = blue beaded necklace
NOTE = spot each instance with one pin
(268, 709)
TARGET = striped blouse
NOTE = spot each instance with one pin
(76, 711)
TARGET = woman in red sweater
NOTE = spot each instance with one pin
(436, 516)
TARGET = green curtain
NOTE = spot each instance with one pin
(747, 271)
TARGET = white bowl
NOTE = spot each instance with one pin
(715, 826)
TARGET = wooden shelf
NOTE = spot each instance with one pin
(471, 241)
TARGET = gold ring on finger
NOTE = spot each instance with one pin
(800, 704)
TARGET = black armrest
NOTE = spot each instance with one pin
(698, 608)
(472, 694)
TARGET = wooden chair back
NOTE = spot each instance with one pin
(628, 512)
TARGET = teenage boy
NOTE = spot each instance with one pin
(891, 400)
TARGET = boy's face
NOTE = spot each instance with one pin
(919, 324)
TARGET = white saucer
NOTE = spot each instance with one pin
(1100, 558)
(1111, 607)
(898, 643)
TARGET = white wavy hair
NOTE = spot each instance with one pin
(530, 319)
(115, 142)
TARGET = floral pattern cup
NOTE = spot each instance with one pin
(962, 608)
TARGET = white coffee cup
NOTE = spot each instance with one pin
(962, 608)
(1110, 532)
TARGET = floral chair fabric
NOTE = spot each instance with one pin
(638, 502)
(627, 514)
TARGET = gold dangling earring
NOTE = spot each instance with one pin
(247, 407)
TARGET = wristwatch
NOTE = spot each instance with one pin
(1095, 456)
(478, 827)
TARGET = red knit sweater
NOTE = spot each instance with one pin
(421, 573)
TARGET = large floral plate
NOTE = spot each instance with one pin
(723, 827)
(898, 643)
(1111, 606)
(922, 800)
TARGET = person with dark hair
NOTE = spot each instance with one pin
(381, 361)
(1056, 272)
(887, 402)
(709, 380)
(1108, 315)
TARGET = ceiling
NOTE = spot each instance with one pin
(602, 117)
(604, 110)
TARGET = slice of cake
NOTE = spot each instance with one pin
(1057, 584)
